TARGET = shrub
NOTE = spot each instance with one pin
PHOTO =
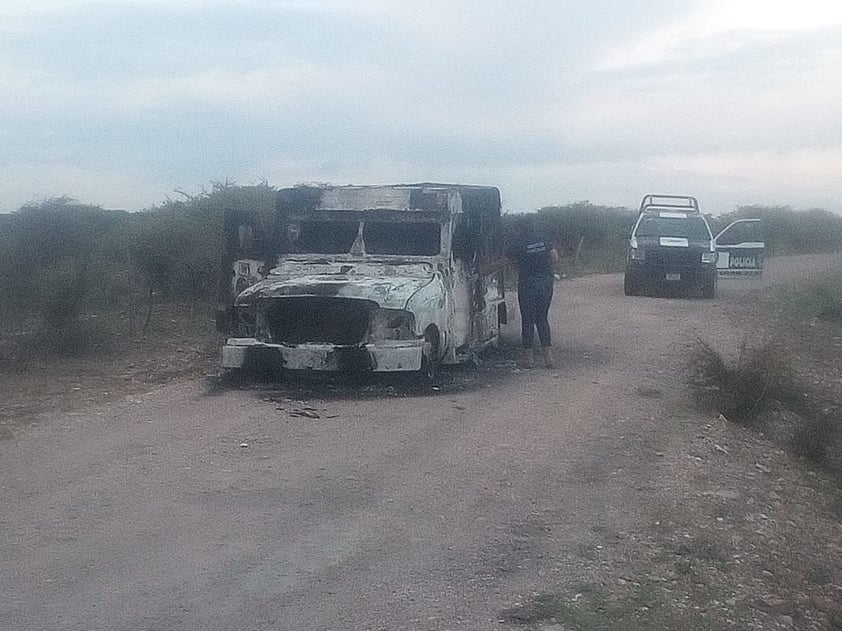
(76, 338)
(760, 378)
(589, 238)
(743, 391)
(790, 231)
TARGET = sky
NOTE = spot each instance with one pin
(124, 103)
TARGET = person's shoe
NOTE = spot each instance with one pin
(547, 355)
(527, 358)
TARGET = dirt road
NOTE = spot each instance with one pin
(247, 509)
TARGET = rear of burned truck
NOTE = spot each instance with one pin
(356, 279)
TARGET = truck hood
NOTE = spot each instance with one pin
(389, 292)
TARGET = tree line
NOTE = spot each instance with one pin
(60, 258)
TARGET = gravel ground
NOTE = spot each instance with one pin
(590, 496)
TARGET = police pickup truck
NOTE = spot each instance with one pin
(671, 248)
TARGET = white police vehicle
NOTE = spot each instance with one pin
(671, 248)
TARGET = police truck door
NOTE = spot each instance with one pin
(740, 249)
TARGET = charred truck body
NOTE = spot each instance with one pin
(362, 278)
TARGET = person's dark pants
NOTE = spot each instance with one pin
(534, 296)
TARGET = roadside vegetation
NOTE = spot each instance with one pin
(788, 388)
(751, 492)
(760, 389)
(591, 238)
(80, 281)
(819, 300)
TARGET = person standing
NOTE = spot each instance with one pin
(535, 261)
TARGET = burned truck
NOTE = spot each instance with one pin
(363, 278)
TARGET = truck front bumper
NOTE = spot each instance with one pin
(647, 275)
(385, 356)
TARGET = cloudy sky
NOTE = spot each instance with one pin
(121, 102)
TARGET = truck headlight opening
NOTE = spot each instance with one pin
(392, 324)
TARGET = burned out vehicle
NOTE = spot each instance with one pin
(362, 278)
(671, 247)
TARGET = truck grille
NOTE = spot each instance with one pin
(317, 319)
(673, 257)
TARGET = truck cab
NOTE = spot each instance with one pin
(671, 247)
(364, 278)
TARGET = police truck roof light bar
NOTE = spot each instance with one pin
(684, 203)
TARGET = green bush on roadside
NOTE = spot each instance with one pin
(68, 270)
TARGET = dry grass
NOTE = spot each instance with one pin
(823, 297)
(758, 382)
(744, 390)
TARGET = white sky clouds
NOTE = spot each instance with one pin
(118, 102)
(725, 27)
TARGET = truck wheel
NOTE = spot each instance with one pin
(709, 289)
(630, 288)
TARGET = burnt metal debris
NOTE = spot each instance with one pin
(363, 278)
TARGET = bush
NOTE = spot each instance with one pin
(789, 231)
(76, 338)
(743, 391)
(589, 238)
(759, 379)
(60, 259)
